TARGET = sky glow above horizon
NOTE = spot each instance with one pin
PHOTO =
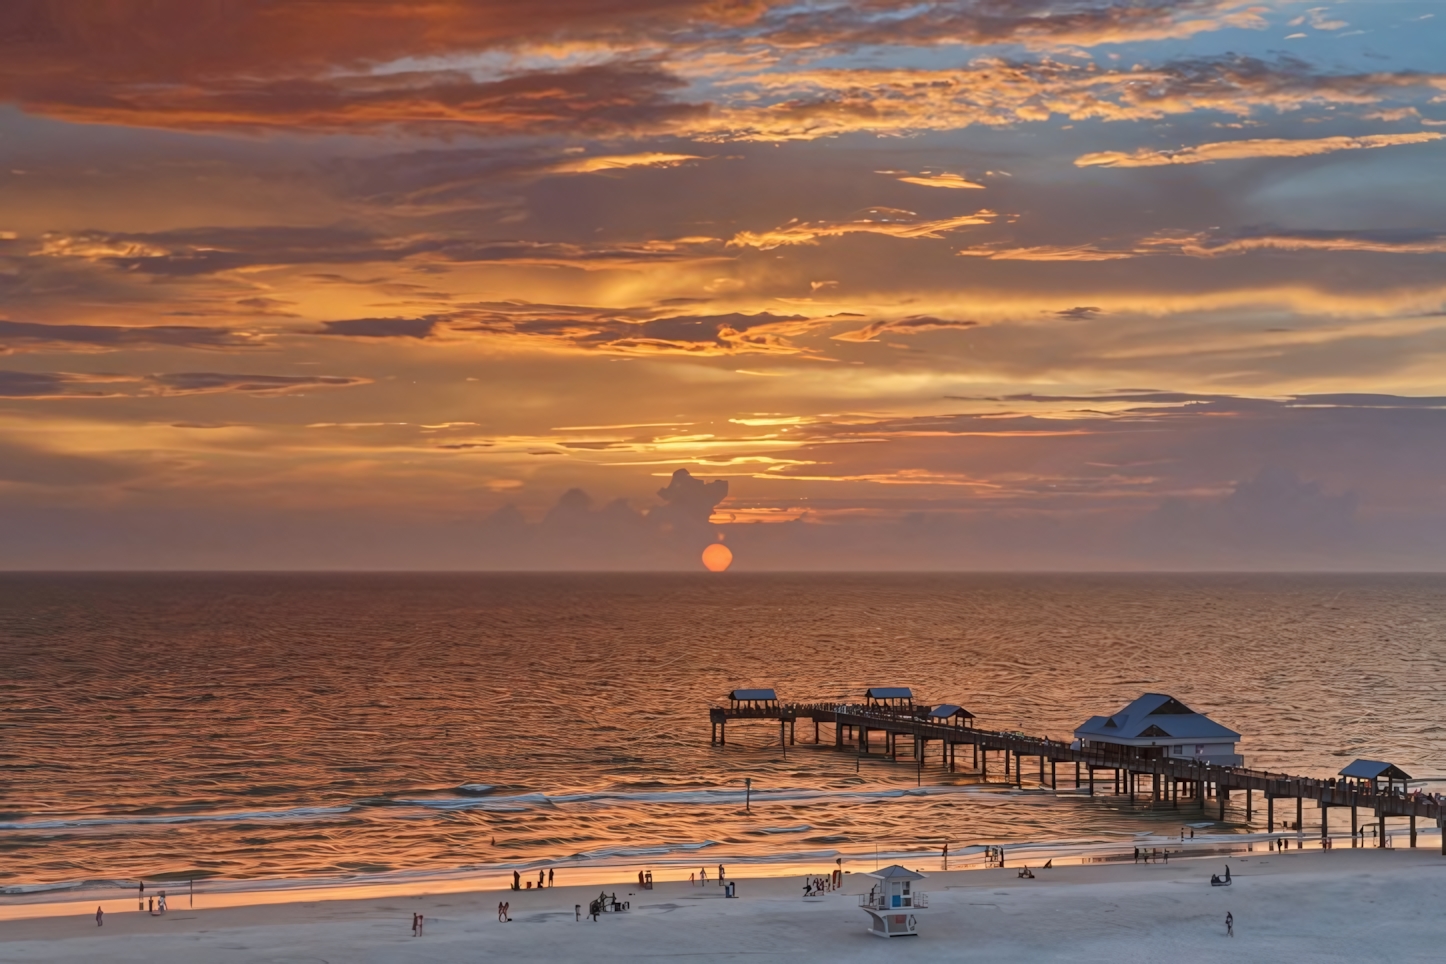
(1055, 283)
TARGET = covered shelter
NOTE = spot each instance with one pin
(890, 697)
(893, 900)
(755, 699)
(1375, 771)
(950, 714)
(1157, 726)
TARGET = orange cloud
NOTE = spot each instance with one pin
(806, 232)
(954, 181)
(616, 162)
(902, 326)
(1241, 150)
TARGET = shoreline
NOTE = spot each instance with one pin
(1310, 900)
(213, 893)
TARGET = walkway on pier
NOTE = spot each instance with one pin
(1169, 779)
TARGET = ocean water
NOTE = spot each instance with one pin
(348, 727)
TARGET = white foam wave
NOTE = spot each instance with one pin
(801, 828)
(70, 823)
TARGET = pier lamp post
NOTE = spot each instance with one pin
(748, 794)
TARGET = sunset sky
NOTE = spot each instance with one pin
(983, 283)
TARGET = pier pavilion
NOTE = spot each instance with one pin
(1157, 726)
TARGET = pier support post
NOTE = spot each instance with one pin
(1053, 776)
(1006, 766)
(1325, 820)
(1092, 779)
(791, 724)
(1222, 795)
(838, 736)
(1355, 827)
(1299, 814)
(1269, 812)
(1076, 776)
(1249, 804)
(1381, 835)
(1413, 830)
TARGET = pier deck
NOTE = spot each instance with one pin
(1170, 779)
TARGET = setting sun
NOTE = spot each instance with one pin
(717, 557)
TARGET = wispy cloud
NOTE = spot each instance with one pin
(1243, 150)
(894, 224)
(619, 162)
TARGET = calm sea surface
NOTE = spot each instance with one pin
(305, 726)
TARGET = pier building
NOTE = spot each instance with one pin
(1157, 726)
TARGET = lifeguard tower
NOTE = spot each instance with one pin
(892, 902)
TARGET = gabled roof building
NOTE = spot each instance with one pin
(1157, 726)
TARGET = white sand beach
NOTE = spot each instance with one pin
(1304, 906)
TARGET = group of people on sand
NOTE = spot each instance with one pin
(542, 877)
(504, 910)
(154, 905)
(700, 879)
(822, 884)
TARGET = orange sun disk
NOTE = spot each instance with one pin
(717, 557)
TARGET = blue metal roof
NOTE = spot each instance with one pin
(945, 710)
(753, 695)
(1374, 770)
(889, 693)
(1155, 716)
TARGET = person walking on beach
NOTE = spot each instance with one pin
(703, 876)
(549, 877)
(151, 906)
(161, 904)
(1229, 924)
(421, 924)
(720, 875)
(499, 912)
(540, 878)
(99, 917)
(414, 920)
(577, 912)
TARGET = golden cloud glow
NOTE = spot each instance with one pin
(951, 181)
(1242, 150)
(898, 226)
(618, 162)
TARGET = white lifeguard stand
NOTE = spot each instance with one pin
(892, 902)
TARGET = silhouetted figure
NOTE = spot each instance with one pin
(99, 917)
(1229, 924)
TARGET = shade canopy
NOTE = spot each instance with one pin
(757, 696)
(1374, 770)
(889, 693)
(946, 711)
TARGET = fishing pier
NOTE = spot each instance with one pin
(934, 736)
